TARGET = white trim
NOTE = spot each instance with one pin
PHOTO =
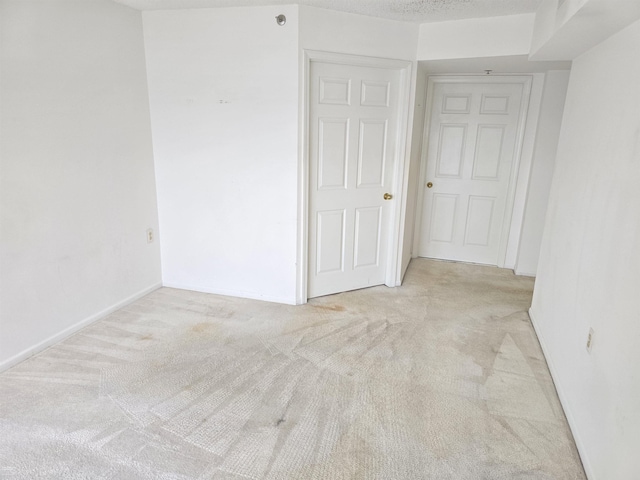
(524, 174)
(355, 60)
(413, 86)
(407, 87)
(303, 182)
(67, 332)
(232, 293)
(564, 401)
(521, 273)
(422, 171)
(401, 175)
(506, 241)
(515, 171)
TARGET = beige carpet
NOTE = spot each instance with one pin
(441, 378)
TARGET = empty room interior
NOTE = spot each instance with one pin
(360, 239)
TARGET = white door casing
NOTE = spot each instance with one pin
(356, 136)
(473, 138)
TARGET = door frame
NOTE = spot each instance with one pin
(393, 276)
(527, 82)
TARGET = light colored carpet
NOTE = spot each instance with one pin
(441, 378)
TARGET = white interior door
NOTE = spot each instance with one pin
(353, 124)
(472, 133)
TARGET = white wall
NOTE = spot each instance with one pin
(224, 89)
(589, 271)
(476, 37)
(332, 31)
(223, 86)
(77, 184)
(544, 155)
(566, 30)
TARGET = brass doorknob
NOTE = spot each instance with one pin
(429, 185)
(388, 196)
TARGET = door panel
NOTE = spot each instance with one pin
(451, 150)
(332, 154)
(479, 221)
(472, 143)
(371, 155)
(367, 237)
(335, 91)
(353, 123)
(486, 163)
(331, 240)
(444, 208)
(375, 94)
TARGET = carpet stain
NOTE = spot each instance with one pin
(333, 308)
(203, 327)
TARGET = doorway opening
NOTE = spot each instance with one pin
(473, 136)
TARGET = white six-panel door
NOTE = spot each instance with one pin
(472, 147)
(353, 124)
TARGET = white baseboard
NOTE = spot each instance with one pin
(67, 332)
(233, 293)
(588, 469)
(522, 273)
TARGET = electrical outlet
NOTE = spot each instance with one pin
(150, 235)
(590, 340)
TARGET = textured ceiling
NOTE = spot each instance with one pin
(420, 11)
